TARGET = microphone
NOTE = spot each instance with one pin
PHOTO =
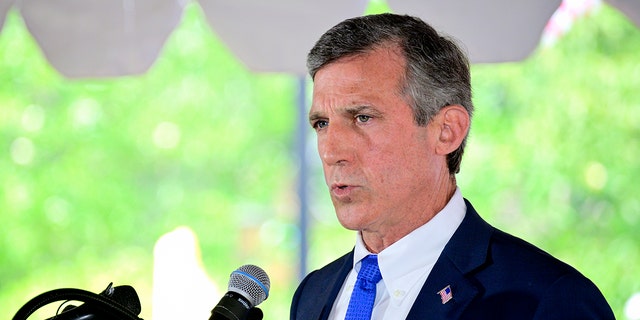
(248, 287)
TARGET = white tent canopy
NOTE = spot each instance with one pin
(106, 38)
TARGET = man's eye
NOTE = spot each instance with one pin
(320, 124)
(363, 118)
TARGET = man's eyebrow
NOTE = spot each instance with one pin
(355, 110)
(313, 116)
(366, 109)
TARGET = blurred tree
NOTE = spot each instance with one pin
(95, 171)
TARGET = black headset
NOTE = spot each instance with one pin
(119, 303)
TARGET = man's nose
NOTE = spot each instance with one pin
(336, 145)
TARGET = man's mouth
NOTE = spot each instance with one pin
(342, 191)
(338, 186)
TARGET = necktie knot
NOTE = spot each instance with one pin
(369, 274)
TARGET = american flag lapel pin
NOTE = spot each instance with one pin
(446, 294)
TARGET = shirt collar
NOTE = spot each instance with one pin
(423, 246)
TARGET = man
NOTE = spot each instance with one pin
(392, 108)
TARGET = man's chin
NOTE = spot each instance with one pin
(351, 220)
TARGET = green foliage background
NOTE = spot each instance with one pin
(94, 171)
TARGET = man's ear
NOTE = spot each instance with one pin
(453, 123)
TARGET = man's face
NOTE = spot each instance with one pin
(380, 166)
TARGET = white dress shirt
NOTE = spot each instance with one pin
(405, 265)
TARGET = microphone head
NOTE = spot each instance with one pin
(251, 282)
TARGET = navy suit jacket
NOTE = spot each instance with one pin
(492, 275)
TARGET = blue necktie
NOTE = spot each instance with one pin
(364, 292)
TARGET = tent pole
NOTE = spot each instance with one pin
(301, 148)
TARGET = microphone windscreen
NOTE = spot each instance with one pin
(252, 282)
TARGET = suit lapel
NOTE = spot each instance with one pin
(335, 284)
(465, 252)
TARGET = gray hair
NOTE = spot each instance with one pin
(437, 70)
